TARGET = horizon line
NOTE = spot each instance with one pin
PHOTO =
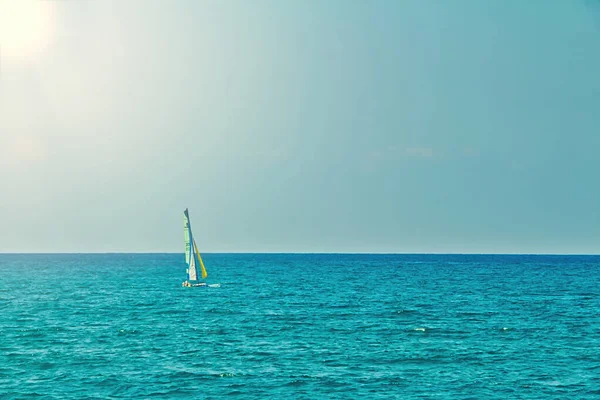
(303, 253)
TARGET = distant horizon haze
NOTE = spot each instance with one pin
(300, 126)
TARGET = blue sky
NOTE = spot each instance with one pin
(305, 126)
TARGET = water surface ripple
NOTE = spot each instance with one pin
(306, 326)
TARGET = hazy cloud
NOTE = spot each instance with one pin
(426, 152)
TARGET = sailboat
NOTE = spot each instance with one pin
(192, 256)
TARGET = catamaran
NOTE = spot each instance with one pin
(192, 256)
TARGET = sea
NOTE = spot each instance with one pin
(300, 326)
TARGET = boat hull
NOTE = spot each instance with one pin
(190, 284)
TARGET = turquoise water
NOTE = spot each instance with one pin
(300, 326)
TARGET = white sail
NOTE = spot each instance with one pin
(193, 272)
(190, 251)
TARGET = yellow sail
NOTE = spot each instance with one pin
(204, 274)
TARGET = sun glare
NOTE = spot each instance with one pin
(26, 28)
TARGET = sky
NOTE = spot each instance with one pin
(300, 126)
